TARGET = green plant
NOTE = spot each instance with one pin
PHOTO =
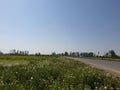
(51, 72)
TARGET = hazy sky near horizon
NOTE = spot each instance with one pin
(60, 25)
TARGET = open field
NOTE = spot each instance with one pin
(16, 60)
(52, 73)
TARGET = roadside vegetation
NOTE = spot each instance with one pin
(52, 73)
(110, 55)
(106, 58)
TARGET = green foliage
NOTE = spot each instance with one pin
(111, 54)
(66, 53)
(54, 73)
(106, 58)
(90, 54)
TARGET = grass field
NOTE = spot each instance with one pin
(105, 58)
(52, 73)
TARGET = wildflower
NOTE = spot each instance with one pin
(31, 78)
(111, 88)
(16, 72)
(96, 87)
(105, 87)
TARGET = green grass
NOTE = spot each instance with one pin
(52, 73)
(108, 59)
(16, 60)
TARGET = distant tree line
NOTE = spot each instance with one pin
(110, 53)
(38, 54)
(18, 52)
(75, 54)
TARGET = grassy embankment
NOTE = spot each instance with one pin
(52, 73)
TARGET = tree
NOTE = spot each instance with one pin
(77, 54)
(106, 55)
(66, 53)
(113, 54)
(87, 54)
(13, 52)
(91, 54)
(38, 54)
(1, 53)
(18, 52)
(98, 54)
(72, 54)
(53, 54)
(26, 52)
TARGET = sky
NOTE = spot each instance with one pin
(60, 25)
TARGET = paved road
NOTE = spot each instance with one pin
(111, 66)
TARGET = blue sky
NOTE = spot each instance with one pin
(60, 25)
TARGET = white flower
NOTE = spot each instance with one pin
(105, 87)
(16, 72)
(31, 78)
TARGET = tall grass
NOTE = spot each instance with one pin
(55, 73)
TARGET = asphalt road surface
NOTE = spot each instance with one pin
(110, 66)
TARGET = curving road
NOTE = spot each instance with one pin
(110, 66)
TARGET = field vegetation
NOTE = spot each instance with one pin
(52, 73)
(105, 58)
